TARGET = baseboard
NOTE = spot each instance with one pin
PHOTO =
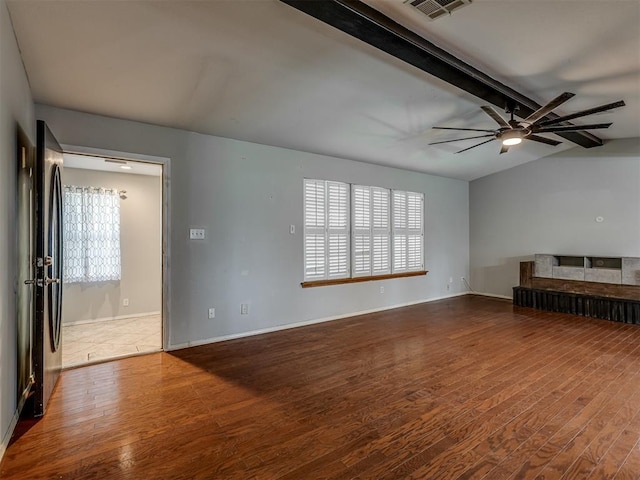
(206, 341)
(7, 435)
(107, 319)
(443, 297)
(492, 295)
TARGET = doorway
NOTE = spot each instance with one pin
(113, 221)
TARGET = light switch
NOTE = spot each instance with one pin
(196, 234)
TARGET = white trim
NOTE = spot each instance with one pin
(101, 152)
(492, 295)
(444, 297)
(7, 435)
(106, 319)
(196, 343)
(166, 221)
(109, 359)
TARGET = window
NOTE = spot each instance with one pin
(371, 233)
(91, 234)
(326, 230)
(407, 231)
(359, 231)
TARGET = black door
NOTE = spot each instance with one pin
(25, 268)
(47, 279)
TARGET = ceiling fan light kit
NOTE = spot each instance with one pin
(511, 132)
(511, 137)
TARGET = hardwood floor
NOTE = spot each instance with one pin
(461, 388)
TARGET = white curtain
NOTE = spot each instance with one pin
(91, 234)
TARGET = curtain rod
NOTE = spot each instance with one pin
(121, 193)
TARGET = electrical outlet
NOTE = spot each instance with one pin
(381, 289)
(450, 279)
(244, 309)
(125, 302)
(212, 312)
(196, 233)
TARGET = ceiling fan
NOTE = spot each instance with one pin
(512, 132)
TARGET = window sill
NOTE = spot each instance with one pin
(340, 281)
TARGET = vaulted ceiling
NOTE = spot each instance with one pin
(264, 72)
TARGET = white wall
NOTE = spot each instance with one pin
(549, 206)
(246, 196)
(140, 251)
(16, 109)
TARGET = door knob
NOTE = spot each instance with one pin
(44, 262)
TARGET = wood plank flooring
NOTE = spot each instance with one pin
(464, 388)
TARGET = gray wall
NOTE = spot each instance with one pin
(246, 196)
(140, 250)
(16, 109)
(549, 206)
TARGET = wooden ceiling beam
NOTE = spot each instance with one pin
(369, 25)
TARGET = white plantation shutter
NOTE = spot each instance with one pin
(338, 230)
(381, 231)
(361, 227)
(361, 231)
(399, 231)
(371, 232)
(408, 231)
(326, 230)
(315, 244)
(415, 237)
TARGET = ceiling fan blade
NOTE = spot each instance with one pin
(542, 111)
(496, 116)
(582, 113)
(463, 129)
(504, 149)
(548, 141)
(482, 143)
(460, 139)
(572, 128)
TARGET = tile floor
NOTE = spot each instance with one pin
(104, 340)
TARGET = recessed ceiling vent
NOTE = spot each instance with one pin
(436, 8)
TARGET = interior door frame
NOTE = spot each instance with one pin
(165, 162)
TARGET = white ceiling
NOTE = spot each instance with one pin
(264, 72)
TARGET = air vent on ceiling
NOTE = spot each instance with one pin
(437, 8)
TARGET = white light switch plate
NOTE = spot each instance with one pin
(196, 234)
